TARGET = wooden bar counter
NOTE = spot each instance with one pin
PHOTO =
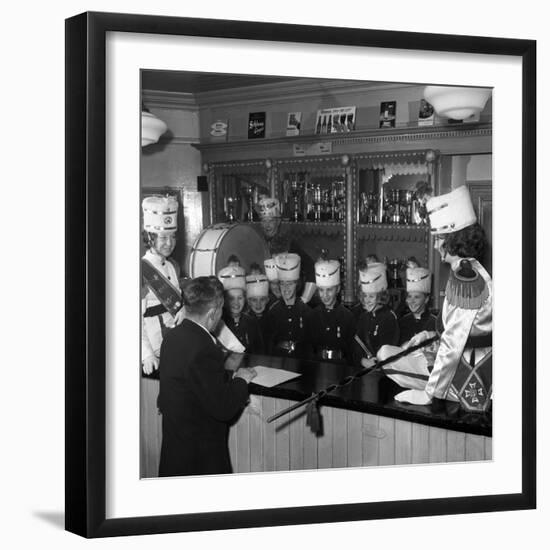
(362, 424)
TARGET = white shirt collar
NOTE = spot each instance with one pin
(155, 259)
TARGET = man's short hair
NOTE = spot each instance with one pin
(201, 294)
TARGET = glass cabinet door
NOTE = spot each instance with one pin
(236, 190)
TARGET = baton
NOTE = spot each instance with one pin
(349, 379)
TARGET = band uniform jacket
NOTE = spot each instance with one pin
(198, 399)
(375, 329)
(262, 322)
(409, 325)
(154, 327)
(332, 329)
(357, 310)
(461, 325)
(289, 324)
(248, 331)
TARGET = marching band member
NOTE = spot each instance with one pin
(161, 293)
(419, 318)
(269, 209)
(288, 318)
(462, 370)
(377, 325)
(332, 326)
(257, 291)
(273, 277)
(245, 327)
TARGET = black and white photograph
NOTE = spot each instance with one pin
(294, 123)
(387, 114)
(285, 330)
(315, 311)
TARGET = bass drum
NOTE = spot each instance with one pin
(218, 242)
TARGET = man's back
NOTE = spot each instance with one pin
(198, 399)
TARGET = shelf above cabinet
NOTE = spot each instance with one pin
(315, 228)
(390, 232)
(477, 134)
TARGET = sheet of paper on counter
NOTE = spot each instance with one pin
(269, 377)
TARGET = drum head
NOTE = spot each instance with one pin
(214, 246)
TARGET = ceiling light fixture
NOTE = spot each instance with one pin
(152, 127)
(456, 102)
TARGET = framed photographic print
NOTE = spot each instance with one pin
(344, 424)
(256, 125)
(387, 114)
(294, 123)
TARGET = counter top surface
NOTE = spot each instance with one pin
(373, 393)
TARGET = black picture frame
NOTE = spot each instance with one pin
(85, 273)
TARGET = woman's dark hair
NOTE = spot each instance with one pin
(148, 238)
(255, 268)
(469, 242)
(201, 294)
(233, 258)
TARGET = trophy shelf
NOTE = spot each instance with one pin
(393, 232)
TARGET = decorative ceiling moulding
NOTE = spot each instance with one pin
(169, 100)
(298, 90)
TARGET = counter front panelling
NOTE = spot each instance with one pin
(350, 439)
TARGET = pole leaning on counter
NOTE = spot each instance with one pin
(349, 379)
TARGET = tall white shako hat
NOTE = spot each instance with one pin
(419, 279)
(271, 270)
(451, 212)
(232, 277)
(288, 266)
(160, 213)
(373, 278)
(327, 273)
(257, 286)
(269, 207)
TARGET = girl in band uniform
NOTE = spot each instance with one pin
(245, 327)
(377, 325)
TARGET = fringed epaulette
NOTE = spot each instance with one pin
(466, 288)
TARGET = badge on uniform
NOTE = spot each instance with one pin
(474, 383)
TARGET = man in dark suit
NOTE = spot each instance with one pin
(198, 397)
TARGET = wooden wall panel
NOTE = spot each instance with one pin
(268, 435)
(456, 447)
(243, 443)
(355, 438)
(256, 421)
(438, 445)
(488, 448)
(297, 428)
(403, 442)
(151, 429)
(371, 439)
(324, 442)
(339, 438)
(310, 449)
(386, 447)
(282, 438)
(420, 444)
(475, 447)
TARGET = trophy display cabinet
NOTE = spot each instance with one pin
(343, 206)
